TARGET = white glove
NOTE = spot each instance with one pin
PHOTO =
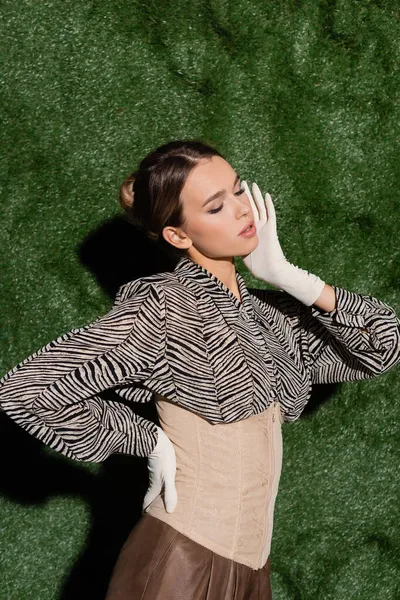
(267, 261)
(162, 469)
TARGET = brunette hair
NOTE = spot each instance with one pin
(151, 194)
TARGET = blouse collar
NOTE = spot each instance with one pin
(210, 283)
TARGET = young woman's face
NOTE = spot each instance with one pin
(213, 226)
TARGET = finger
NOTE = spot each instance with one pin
(271, 211)
(151, 493)
(170, 497)
(260, 204)
(252, 204)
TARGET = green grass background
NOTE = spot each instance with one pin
(300, 96)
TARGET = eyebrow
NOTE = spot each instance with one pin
(220, 192)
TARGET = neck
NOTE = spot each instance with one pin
(222, 267)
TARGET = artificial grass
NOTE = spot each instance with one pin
(301, 97)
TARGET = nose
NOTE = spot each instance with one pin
(244, 208)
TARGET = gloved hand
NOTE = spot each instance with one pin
(267, 261)
(162, 468)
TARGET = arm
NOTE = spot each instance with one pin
(327, 300)
(53, 394)
(358, 339)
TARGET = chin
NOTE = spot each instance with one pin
(250, 243)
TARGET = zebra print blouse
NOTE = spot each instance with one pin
(186, 336)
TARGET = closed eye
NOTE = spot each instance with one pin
(215, 210)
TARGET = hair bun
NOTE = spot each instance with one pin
(126, 193)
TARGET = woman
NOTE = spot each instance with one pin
(226, 366)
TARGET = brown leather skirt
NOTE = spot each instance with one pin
(158, 562)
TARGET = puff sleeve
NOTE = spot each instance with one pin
(54, 393)
(359, 339)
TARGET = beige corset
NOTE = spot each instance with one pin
(227, 478)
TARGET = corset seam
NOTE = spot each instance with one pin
(271, 477)
(240, 488)
(200, 472)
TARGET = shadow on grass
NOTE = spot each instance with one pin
(114, 496)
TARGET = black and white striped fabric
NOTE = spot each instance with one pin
(186, 336)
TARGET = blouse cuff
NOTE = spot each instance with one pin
(141, 439)
(365, 313)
